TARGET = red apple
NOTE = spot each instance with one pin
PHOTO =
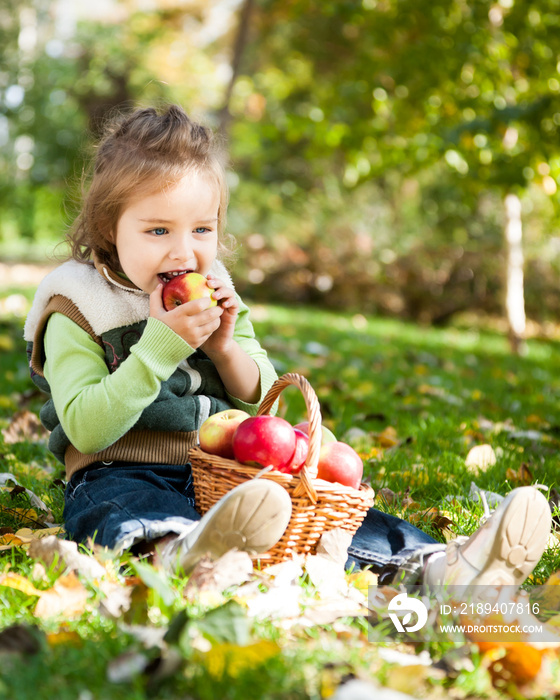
(186, 287)
(326, 435)
(338, 462)
(264, 441)
(300, 453)
(216, 433)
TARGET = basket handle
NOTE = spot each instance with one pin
(309, 469)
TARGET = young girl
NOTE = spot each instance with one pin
(130, 383)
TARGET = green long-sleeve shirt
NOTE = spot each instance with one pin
(96, 407)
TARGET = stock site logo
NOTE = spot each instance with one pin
(404, 607)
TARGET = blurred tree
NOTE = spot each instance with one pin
(373, 89)
(374, 139)
(64, 73)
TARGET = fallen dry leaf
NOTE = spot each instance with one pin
(117, 599)
(127, 666)
(514, 663)
(25, 536)
(65, 637)
(440, 520)
(234, 659)
(231, 569)
(8, 541)
(362, 580)
(547, 596)
(7, 478)
(19, 583)
(65, 553)
(479, 458)
(386, 495)
(334, 545)
(67, 598)
(388, 437)
(24, 426)
(521, 476)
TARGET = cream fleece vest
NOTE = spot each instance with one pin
(97, 295)
(93, 297)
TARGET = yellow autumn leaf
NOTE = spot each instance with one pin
(409, 400)
(416, 478)
(8, 541)
(65, 637)
(364, 389)
(372, 453)
(548, 596)
(429, 389)
(330, 680)
(19, 583)
(232, 659)
(536, 420)
(67, 597)
(25, 513)
(388, 437)
(26, 534)
(362, 580)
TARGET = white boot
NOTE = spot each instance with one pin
(504, 551)
(252, 517)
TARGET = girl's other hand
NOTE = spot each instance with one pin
(220, 341)
(194, 321)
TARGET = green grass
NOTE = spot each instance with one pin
(441, 390)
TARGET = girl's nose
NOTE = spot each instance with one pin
(181, 247)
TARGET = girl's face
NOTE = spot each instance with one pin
(172, 230)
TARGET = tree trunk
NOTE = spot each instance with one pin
(241, 38)
(515, 301)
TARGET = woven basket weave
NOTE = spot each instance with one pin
(317, 505)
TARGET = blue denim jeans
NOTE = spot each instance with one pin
(119, 505)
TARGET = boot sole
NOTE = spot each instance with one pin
(520, 540)
(252, 517)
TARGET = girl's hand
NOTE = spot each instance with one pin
(194, 321)
(220, 341)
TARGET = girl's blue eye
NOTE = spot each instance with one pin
(159, 231)
(201, 229)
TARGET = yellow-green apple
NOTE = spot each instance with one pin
(300, 453)
(183, 287)
(326, 435)
(338, 462)
(216, 433)
(264, 441)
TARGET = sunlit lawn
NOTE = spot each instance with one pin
(412, 400)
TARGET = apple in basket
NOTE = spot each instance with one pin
(326, 435)
(338, 462)
(265, 441)
(185, 287)
(216, 433)
(300, 453)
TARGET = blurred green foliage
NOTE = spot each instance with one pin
(372, 141)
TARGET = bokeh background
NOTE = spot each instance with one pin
(391, 157)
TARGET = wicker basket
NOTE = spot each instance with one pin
(317, 505)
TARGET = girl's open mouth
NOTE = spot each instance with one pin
(166, 277)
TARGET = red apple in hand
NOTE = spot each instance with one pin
(338, 462)
(300, 453)
(326, 435)
(216, 433)
(185, 287)
(264, 441)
